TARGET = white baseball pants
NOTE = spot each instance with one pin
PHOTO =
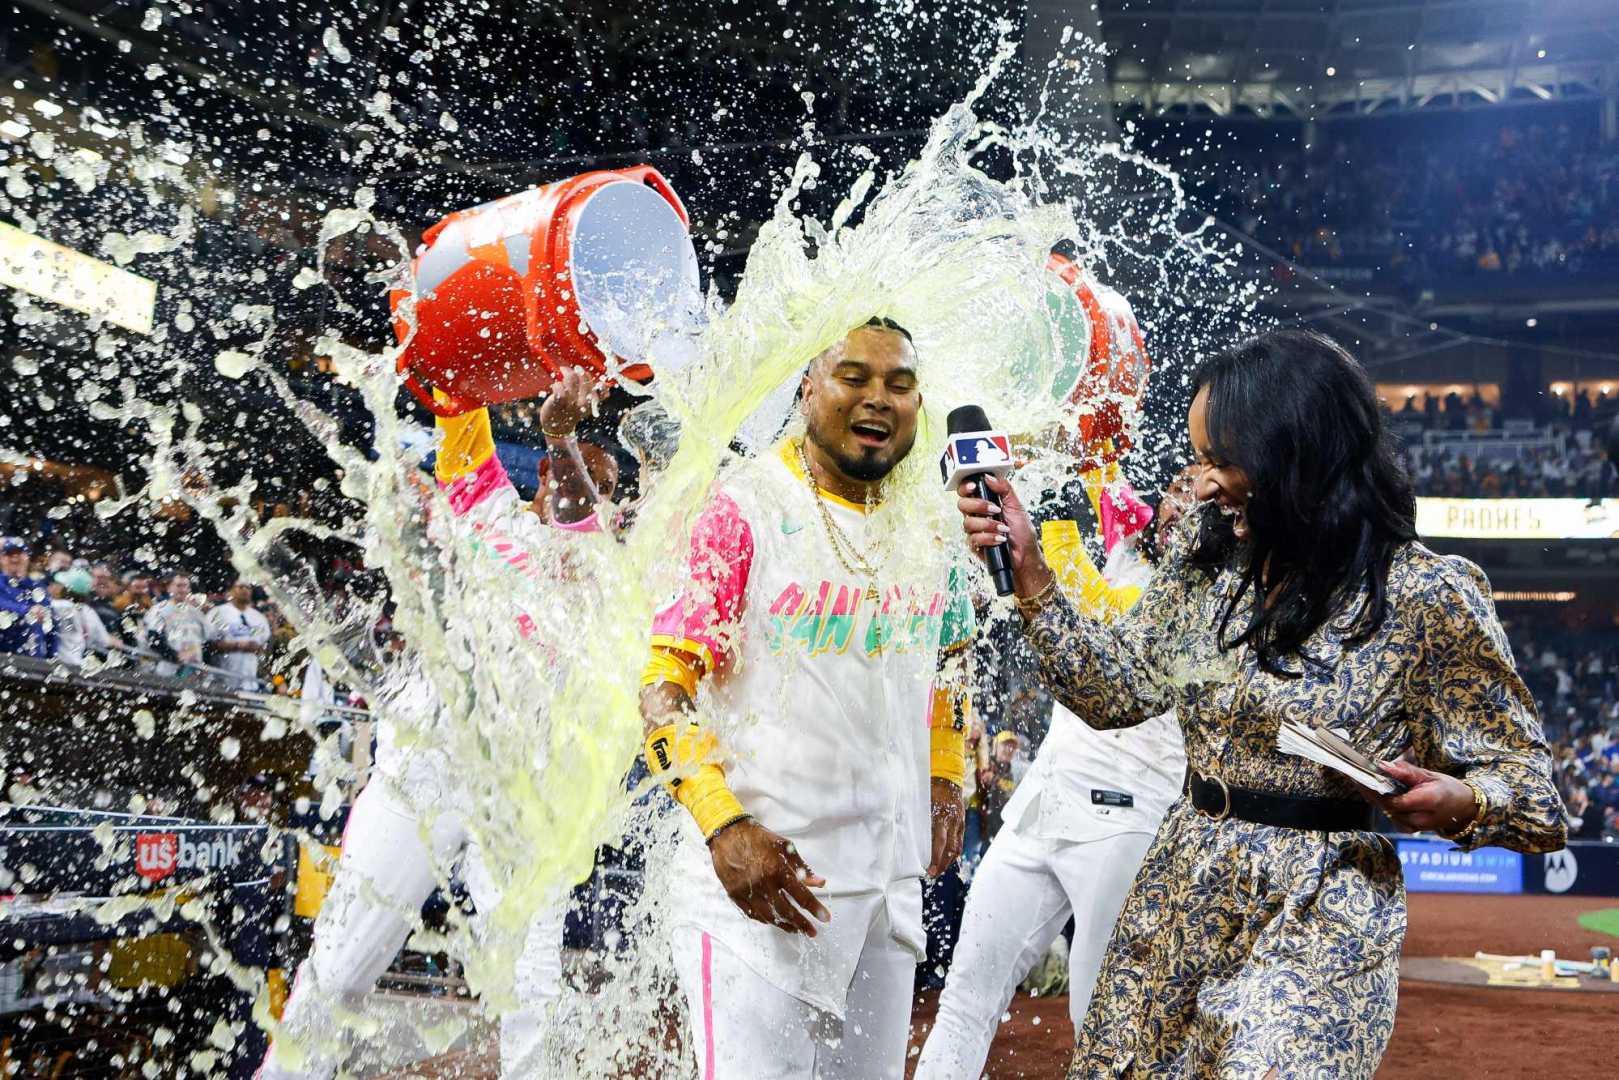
(384, 875)
(1021, 897)
(744, 1028)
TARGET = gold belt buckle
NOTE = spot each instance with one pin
(1225, 810)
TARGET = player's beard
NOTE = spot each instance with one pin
(867, 465)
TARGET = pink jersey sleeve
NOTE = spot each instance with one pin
(485, 501)
(484, 483)
(704, 619)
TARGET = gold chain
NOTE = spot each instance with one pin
(856, 562)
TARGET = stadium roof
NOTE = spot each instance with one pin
(1325, 58)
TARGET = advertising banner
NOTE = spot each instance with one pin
(1436, 866)
(1518, 519)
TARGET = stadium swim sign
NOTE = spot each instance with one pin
(1584, 868)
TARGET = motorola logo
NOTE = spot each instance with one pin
(1561, 870)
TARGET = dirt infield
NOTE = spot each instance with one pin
(1440, 1031)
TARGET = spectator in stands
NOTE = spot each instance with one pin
(135, 599)
(104, 590)
(80, 630)
(997, 781)
(1586, 820)
(26, 625)
(239, 634)
(176, 629)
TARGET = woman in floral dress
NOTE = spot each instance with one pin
(1262, 936)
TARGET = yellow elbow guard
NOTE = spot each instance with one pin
(947, 753)
(702, 790)
(673, 666)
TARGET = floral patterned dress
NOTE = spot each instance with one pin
(1244, 947)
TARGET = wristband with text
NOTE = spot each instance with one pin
(702, 790)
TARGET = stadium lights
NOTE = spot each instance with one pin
(1531, 322)
(1331, 71)
(1541, 55)
(1535, 597)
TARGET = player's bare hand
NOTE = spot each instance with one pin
(571, 399)
(1012, 527)
(1432, 802)
(949, 824)
(764, 875)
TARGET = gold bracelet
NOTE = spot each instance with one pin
(1480, 806)
(1032, 605)
(557, 434)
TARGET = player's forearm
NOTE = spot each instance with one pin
(663, 703)
(679, 752)
(573, 494)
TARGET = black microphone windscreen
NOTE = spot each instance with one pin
(967, 418)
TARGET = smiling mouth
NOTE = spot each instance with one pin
(870, 433)
(1239, 519)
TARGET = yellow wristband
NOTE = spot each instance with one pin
(701, 791)
(947, 753)
(671, 665)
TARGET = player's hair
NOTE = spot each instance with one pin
(883, 322)
(1329, 502)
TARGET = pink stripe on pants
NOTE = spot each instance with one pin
(708, 1008)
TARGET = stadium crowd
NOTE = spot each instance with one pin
(1581, 472)
(1534, 199)
(1574, 677)
(1559, 457)
(56, 606)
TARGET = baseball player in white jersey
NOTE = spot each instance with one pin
(403, 830)
(1075, 831)
(826, 778)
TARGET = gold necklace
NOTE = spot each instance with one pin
(854, 561)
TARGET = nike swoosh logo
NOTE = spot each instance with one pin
(790, 527)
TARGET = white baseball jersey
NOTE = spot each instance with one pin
(228, 623)
(820, 695)
(79, 631)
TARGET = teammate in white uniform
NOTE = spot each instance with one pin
(402, 829)
(1075, 831)
(828, 778)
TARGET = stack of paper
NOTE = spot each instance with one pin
(1333, 750)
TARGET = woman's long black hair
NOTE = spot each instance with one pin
(1329, 500)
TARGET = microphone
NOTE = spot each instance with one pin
(973, 450)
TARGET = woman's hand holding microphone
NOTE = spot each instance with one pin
(1031, 577)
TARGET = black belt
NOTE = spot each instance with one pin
(1217, 799)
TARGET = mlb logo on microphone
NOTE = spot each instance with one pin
(156, 854)
(973, 452)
